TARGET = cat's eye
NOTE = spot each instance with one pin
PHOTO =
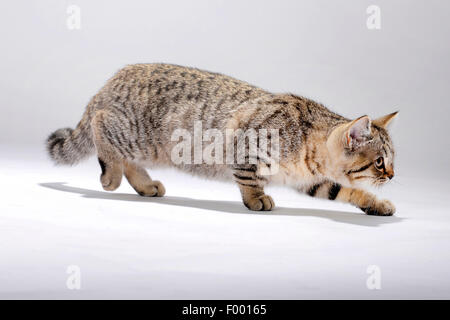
(379, 163)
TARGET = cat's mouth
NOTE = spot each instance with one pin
(380, 181)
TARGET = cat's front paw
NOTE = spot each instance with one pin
(261, 203)
(380, 208)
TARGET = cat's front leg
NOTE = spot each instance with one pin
(360, 198)
(367, 202)
(252, 188)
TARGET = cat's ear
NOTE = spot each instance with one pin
(386, 120)
(358, 133)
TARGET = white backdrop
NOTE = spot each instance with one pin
(200, 242)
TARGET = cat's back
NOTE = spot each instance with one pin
(193, 84)
(160, 92)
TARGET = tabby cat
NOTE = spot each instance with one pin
(129, 123)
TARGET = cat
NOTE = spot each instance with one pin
(129, 124)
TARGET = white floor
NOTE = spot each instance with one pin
(200, 242)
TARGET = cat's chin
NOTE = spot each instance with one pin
(363, 184)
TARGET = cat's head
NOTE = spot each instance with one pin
(362, 152)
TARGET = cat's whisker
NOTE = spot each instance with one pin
(397, 182)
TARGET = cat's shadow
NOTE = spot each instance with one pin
(234, 207)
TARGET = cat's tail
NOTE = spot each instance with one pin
(68, 146)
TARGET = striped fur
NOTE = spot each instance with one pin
(129, 124)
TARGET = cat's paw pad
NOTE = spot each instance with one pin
(381, 208)
(261, 203)
(154, 189)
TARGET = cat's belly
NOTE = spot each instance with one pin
(295, 176)
(216, 172)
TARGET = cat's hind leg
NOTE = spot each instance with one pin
(109, 157)
(141, 181)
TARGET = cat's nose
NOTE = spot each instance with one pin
(391, 175)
